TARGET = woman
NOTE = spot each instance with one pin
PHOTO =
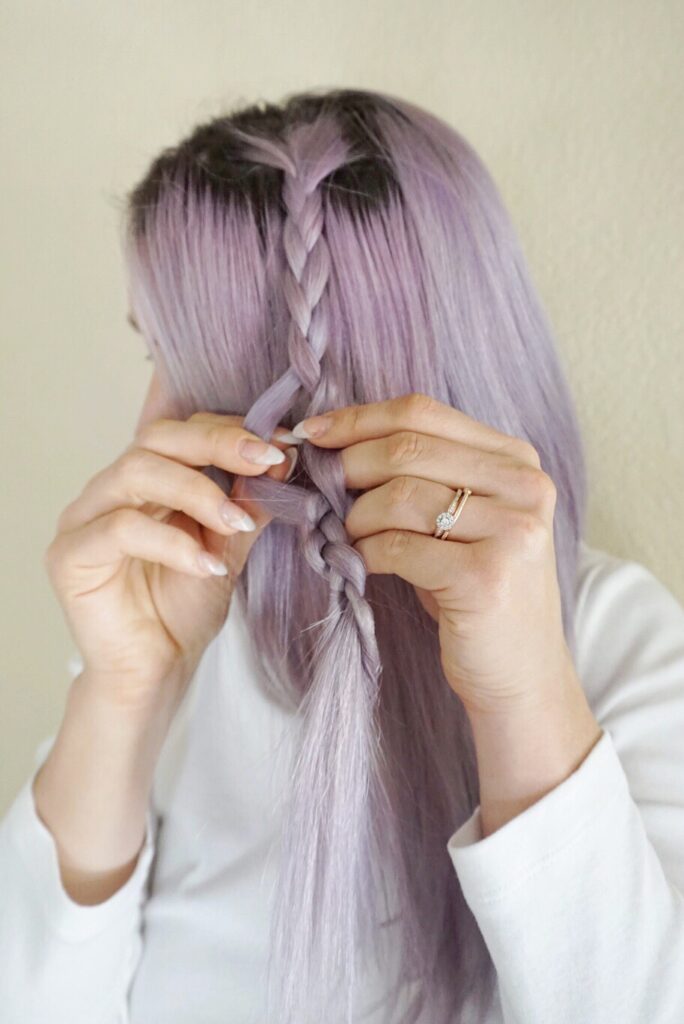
(425, 763)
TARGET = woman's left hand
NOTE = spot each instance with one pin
(492, 584)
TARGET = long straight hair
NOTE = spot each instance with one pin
(344, 247)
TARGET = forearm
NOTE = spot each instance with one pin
(524, 753)
(93, 789)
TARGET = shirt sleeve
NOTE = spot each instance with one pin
(579, 897)
(61, 961)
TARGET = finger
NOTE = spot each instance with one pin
(408, 453)
(140, 476)
(126, 532)
(280, 434)
(258, 511)
(410, 503)
(285, 436)
(414, 412)
(208, 439)
(425, 562)
(281, 471)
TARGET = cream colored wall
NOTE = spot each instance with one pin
(577, 108)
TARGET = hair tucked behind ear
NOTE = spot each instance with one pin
(344, 248)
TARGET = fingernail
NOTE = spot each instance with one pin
(210, 564)
(293, 455)
(236, 517)
(313, 427)
(286, 436)
(260, 452)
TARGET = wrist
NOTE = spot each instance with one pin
(136, 705)
(526, 750)
(93, 789)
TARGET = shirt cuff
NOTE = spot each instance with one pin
(490, 867)
(37, 851)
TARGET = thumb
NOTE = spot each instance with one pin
(234, 550)
(259, 513)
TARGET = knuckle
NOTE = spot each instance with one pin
(397, 542)
(201, 416)
(356, 415)
(529, 453)
(548, 494)
(179, 543)
(529, 482)
(127, 476)
(404, 447)
(401, 490)
(547, 486)
(216, 443)
(542, 489)
(132, 466)
(121, 522)
(525, 530)
(493, 578)
(416, 406)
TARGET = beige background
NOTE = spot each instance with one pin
(577, 108)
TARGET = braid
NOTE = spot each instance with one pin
(328, 552)
(307, 270)
(307, 266)
(337, 772)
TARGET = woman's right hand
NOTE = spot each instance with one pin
(129, 558)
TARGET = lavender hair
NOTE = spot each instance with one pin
(340, 248)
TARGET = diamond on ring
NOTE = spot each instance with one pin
(445, 520)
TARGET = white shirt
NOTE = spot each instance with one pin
(579, 897)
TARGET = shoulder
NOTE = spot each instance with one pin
(630, 660)
(603, 576)
(630, 648)
(622, 598)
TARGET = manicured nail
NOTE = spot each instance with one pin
(236, 517)
(260, 452)
(286, 436)
(210, 564)
(313, 427)
(293, 455)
